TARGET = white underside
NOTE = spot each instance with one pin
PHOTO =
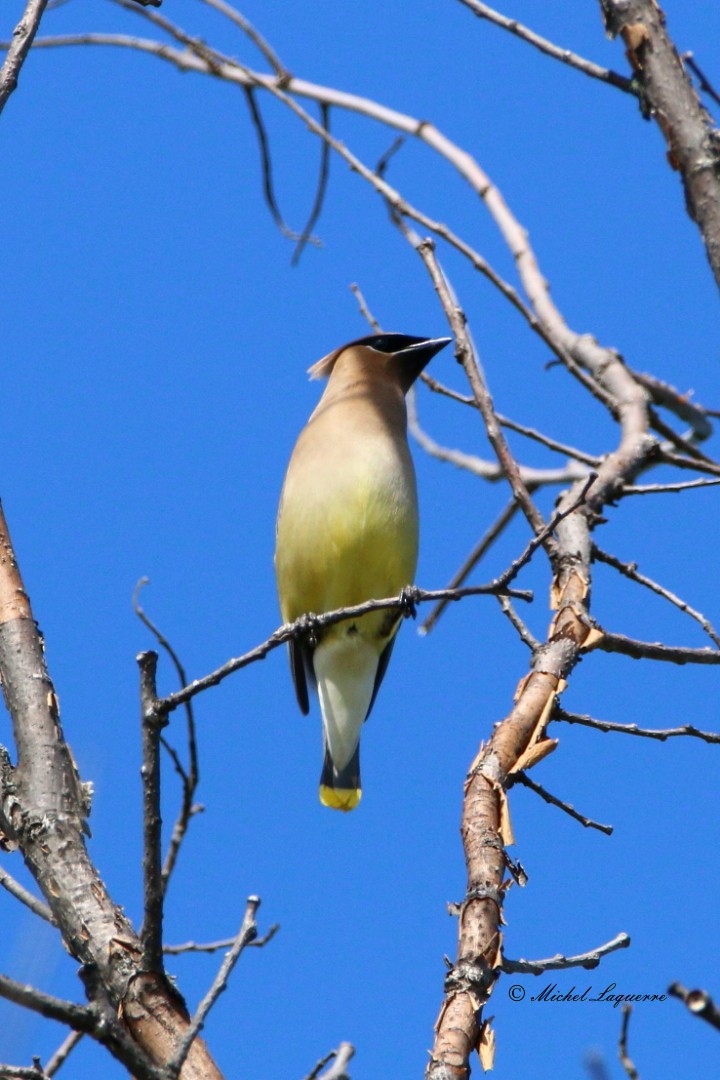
(345, 668)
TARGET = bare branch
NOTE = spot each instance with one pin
(465, 353)
(680, 404)
(215, 946)
(655, 489)
(655, 650)
(570, 810)
(192, 946)
(46, 818)
(709, 467)
(705, 84)
(559, 962)
(631, 571)
(152, 722)
(488, 470)
(319, 201)
(483, 545)
(63, 1052)
(21, 893)
(310, 622)
(189, 777)
(698, 1002)
(633, 729)
(23, 1072)
(18, 49)
(686, 442)
(246, 934)
(579, 499)
(364, 309)
(525, 634)
(577, 352)
(625, 1059)
(513, 425)
(670, 98)
(315, 1072)
(338, 1069)
(105, 1028)
(266, 164)
(257, 39)
(555, 51)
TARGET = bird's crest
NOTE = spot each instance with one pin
(384, 343)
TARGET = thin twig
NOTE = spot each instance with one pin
(22, 39)
(338, 1069)
(21, 893)
(384, 161)
(631, 571)
(705, 83)
(314, 1073)
(246, 934)
(484, 544)
(687, 730)
(595, 71)
(257, 39)
(189, 777)
(625, 1059)
(465, 353)
(320, 193)
(655, 650)
(516, 566)
(193, 946)
(654, 489)
(698, 1002)
(198, 57)
(63, 1052)
(152, 722)
(311, 623)
(487, 470)
(524, 631)
(681, 462)
(522, 429)
(105, 1028)
(266, 164)
(559, 962)
(214, 60)
(682, 442)
(23, 1072)
(525, 780)
(364, 309)
(666, 395)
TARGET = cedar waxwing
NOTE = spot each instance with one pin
(347, 531)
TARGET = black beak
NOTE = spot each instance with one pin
(414, 358)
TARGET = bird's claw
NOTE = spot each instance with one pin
(408, 600)
(309, 626)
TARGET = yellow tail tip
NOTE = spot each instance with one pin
(340, 798)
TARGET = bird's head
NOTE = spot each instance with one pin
(402, 355)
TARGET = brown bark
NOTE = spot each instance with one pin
(670, 98)
(44, 807)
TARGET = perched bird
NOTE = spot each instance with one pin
(347, 531)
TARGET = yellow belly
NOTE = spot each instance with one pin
(341, 543)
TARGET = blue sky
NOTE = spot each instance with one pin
(156, 338)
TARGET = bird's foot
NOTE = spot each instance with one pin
(408, 600)
(309, 625)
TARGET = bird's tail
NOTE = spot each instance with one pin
(340, 790)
